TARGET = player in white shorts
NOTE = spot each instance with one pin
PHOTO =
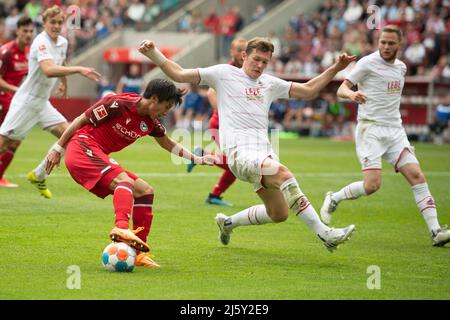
(379, 134)
(244, 97)
(30, 105)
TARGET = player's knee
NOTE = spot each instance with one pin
(372, 186)
(283, 175)
(278, 215)
(417, 177)
(143, 190)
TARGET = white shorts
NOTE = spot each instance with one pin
(375, 142)
(23, 116)
(246, 164)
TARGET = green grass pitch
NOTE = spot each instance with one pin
(40, 239)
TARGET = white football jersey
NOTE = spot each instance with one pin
(37, 85)
(243, 104)
(382, 83)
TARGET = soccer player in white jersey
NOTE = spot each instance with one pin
(30, 105)
(380, 77)
(244, 97)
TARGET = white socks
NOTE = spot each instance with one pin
(253, 215)
(301, 206)
(426, 205)
(352, 191)
(39, 172)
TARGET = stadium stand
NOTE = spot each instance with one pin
(307, 39)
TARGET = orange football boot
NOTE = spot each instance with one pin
(143, 260)
(129, 237)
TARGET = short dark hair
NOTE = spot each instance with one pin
(164, 90)
(261, 44)
(24, 21)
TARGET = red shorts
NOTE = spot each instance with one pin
(91, 167)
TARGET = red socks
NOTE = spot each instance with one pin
(143, 215)
(123, 203)
(225, 181)
(5, 160)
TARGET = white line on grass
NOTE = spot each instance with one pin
(214, 174)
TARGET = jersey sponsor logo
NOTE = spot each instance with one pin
(144, 126)
(124, 131)
(253, 94)
(100, 112)
(19, 66)
(394, 86)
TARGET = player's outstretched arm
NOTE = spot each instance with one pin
(54, 157)
(173, 70)
(311, 89)
(345, 92)
(50, 69)
(174, 147)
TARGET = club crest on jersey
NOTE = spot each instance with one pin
(144, 126)
(100, 112)
(42, 48)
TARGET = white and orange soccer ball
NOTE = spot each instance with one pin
(118, 256)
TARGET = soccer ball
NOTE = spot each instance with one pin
(118, 256)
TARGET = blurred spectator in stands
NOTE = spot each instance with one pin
(414, 55)
(389, 11)
(212, 22)
(117, 20)
(337, 21)
(194, 108)
(294, 67)
(353, 11)
(228, 30)
(441, 71)
(435, 24)
(309, 67)
(276, 114)
(258, 13)
(103, 87)
(11, 22)
(293, 117)
(33, 9)
(239, 19)
(335, 117)
(3, 38)
(276, 45)
(275, 67)
(440, 127)
(184, 23)
(405, 10)
(196, 22)
(152, 11)
(135, 14)
(132, 81)
(104, 26)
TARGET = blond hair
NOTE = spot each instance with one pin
(393, 29)
(51, 12)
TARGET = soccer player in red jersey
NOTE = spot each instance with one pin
(110, 125)
(13, 68)
(227, 178)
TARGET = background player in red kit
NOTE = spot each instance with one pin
(13, 68)
(110, 125)
(227, 178)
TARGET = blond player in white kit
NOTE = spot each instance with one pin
(30, 105)
(244, 97)
(379, 134)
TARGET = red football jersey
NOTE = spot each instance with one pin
(115, 123)
(13, 67)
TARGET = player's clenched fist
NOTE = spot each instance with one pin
(148, 49)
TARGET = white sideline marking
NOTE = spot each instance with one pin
(211, 174)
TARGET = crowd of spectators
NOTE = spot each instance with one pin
(88, 20)
(310, 43)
